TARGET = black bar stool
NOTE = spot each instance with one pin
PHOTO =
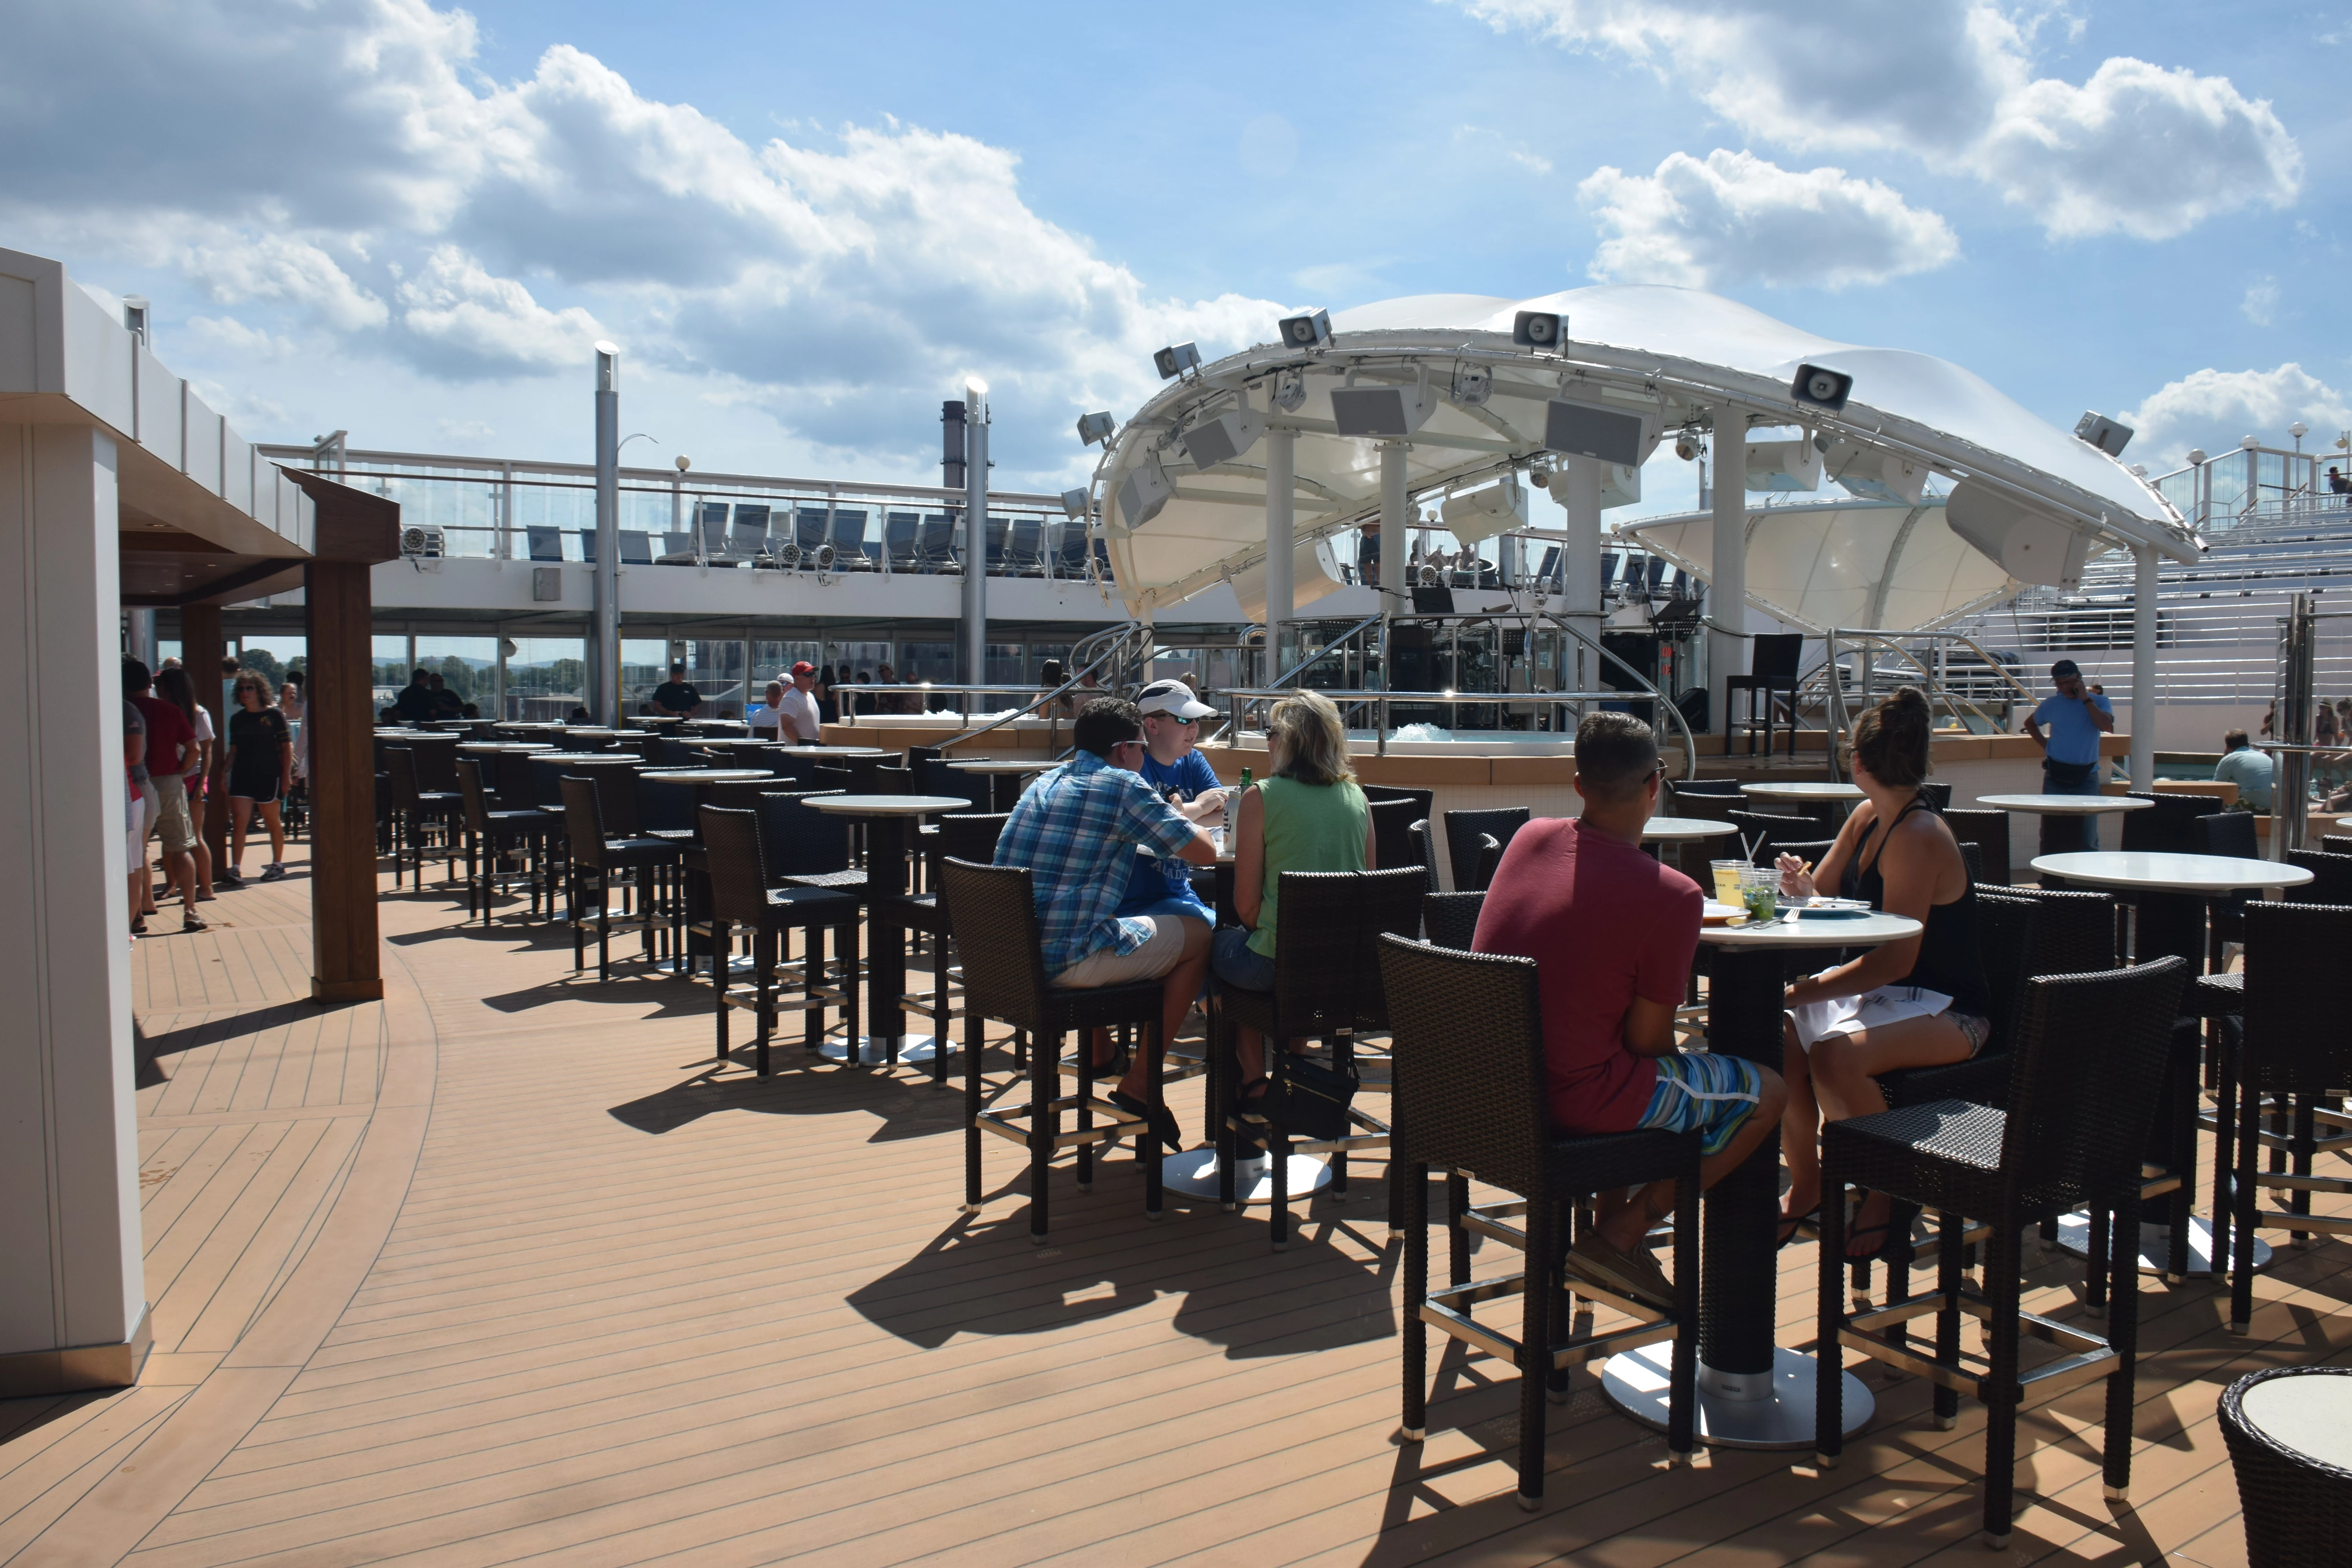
(595, 858)
(741, 896)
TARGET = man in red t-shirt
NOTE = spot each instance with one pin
(172, 745)
(1612, 931)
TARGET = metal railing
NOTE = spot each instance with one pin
(1828, 679)
(1093, 654)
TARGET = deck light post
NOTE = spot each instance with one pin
(975, 533)
(603, 696)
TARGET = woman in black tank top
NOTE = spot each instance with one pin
(1921, 1002)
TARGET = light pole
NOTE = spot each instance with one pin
(603, 693)
(975, 534)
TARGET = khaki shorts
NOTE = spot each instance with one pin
(170, 811)
(1111, 967)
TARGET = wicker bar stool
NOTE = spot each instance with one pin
(1471, 1096)
(1392, 822)
(740, 896)
(1461, 831)
(2331, 877)
(413, 807)
(1988, 831)
(1327, 981)
(966, 836)
(595, 858)
(1451, 920)
(993, 912)
(2295, 1056)
(2296, 1504)
(2088, 1066)
(492, 835)
(1424, 853)
(807, 848)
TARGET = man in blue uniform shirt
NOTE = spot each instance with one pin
(2070, 751)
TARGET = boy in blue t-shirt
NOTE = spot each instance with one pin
(1171, 765)
(2070, 752)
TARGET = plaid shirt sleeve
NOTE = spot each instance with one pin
(1075, 830)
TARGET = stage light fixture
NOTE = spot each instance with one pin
(1822, 389)
(825, 556)
(1175, 359)
(1144, 491)
(1538, 329)
(1384, 411)
(2109, 436)
(1289, 389)
(1226, 437)
(1472, 385)
(1480, 514)
(1311, 330)
(1686, 446)
(1077, 503)
(1588, 430)
(789, 557)
(1096, 429)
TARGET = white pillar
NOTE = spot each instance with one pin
(604, 694)
(1727, 608)
(2143, 703)
(975, 540)
(1581, 556)
(1396, 519)
(1281, 591)
(72, 1296)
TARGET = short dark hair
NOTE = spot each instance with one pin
(1615, 755)
(135, 676)
(2233, 740)
(422, 674)
(2066, 670)
(1105, 724)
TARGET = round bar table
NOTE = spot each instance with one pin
(1003, 773)
(886, 818)
(2171, 892)
(1678, 831)
(2065, 836)
(1752, 1393)
(831, 751)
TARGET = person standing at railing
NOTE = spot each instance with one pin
(2250, 770)
(2070, 751)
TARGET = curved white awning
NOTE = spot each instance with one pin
(1672, 356)
(1874, 566)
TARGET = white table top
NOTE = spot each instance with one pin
(2170, 873)
(1798, 791)
(418, 735)
(1004, 765)
(889, 804)
(2063, 804)
(1858, 930)
(835, 750)
(2311, 1415)
(504, 746)
(710, 776)
(1675, 829)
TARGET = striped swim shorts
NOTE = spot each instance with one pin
(1700, 1092)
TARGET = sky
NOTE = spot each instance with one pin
(806, 224)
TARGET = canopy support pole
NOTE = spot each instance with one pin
(2143, 706)
(1281, 507)
(1581, 559)
(1396, 516)
(975, 537)
(603, 688)
(1726, 613)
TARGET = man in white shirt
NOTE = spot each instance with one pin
(764, 716)
(797, 709)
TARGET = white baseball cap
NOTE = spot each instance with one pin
(1172, 698)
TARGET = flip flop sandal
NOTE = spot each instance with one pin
(1792, 1223)
(1856, 1234)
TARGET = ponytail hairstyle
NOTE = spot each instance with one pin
(175, 687)
(1891, 740)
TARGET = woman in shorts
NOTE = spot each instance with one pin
(260, 762)
(1921, 1002)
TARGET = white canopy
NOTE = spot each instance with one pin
(1672, 356)
(1878, 566)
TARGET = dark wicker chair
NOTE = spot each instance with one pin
(1490, 855)
(741, 896)
(1423, 800)
(1762, 834)
(2297, 1507)
(1988, 831)
(1471, 1095)
(992, 912)
(966, 836)
(595, 858)
(411, 808)
(1463, 829)
(1422, 853)
(2087, 1068)
(2336, 844)
(494, 834)
(1392, 822)
(2169, 827)
(2294, 1053)
(2331, 877)
(1451, 920)
(1327, 983)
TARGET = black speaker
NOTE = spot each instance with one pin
(1822, 389)
(1539, 329)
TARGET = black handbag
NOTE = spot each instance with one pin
(1310, 1101)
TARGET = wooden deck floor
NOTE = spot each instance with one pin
(498, 1269)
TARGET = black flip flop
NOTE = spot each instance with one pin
(1796, 1222)
(1163, 1120)
(1862, 1230)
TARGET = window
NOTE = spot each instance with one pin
(544, 677)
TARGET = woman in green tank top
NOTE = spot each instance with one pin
(1308, 816)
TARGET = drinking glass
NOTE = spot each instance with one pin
(1726, 879)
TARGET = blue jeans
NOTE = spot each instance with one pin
(1234, 965)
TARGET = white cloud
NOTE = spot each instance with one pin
(2214, 408)
(246, 342)
(2136, 148)
(323, 157)
(2261, 303)
(1484, 141)
(1735, 217)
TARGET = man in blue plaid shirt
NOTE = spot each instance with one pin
(1075, 829)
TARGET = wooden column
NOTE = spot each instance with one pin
(202, 647)
(341, 715)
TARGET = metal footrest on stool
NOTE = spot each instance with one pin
(1449, 1310)
(2091, 1356)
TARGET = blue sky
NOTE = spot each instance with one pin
(804, 223)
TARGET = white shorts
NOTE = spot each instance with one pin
(1111, 967)
(1871, 1010)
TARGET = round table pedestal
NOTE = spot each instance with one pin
(1193, 1173)
(1730, 1416)
(874, 1050)
(2156, 1245)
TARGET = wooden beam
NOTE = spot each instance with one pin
(340, 718)
(202, 647)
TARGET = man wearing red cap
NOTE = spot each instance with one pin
(796, 715)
